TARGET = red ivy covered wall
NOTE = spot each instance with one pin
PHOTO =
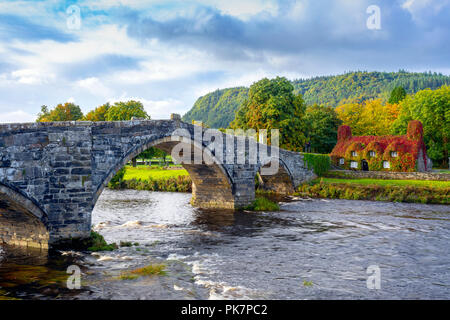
(407, 147)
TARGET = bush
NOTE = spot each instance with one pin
(262, 204)
(116, 181)
(320, 163)
(96, 242)
(171, 184)
(393, 193)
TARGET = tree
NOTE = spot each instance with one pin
(99, 114)
(397, 95)
(432, 108)
(62, 112)
(121, 111)
(153, 152)
(43, 114)
(369, 117)
(272, 104)
(350, 114)
(321, 128)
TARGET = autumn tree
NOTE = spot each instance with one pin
(370, 117)
(62, 112)
(272, 104)
(350, 113)
(432, 108)
(98, 114)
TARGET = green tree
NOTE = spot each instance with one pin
(321, 128)
(99, 114)
(43, 114)
(272, 104)
(121, 111)
(397, 95)
(153, 152)
(62, 112)
(432, 108)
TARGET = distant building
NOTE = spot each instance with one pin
(377, 153)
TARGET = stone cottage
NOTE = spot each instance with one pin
(382, 153)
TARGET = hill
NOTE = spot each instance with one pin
(217, 108)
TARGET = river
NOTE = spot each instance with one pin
(310, 249)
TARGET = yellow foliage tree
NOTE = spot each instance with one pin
(370, 117)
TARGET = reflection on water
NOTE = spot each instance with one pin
(219, 254)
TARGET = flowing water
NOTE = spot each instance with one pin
(310, 249)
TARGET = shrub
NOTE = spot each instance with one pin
(375, 192)
(262, 204)
(116, 181)
(96, 242)
(320, 163)
(172, 184)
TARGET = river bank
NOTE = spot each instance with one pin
(410, 191)
(431, 192)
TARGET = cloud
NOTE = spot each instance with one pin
(157, 109)
(168, 53)
(31, 76)
(99, 65)
(323, 33)
(16, 116)
(17, 27)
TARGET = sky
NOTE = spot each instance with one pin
(166, 54)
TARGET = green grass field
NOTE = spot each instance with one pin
(381, 182)
(145, 172)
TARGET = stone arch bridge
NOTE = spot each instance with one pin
(51, 174)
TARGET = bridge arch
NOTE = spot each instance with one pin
(207, 176)
(282, 182)
(22, 221)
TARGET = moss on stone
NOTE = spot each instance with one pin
(150, 270)
(98, 243)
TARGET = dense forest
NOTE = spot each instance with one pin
(216, 109)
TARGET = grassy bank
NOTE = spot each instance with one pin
(436, 192)
(385, 183)
(154, 172)
(153, 179)
(415, 191)
(169, 184)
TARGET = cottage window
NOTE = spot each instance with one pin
(394, 154)
(353, 164)
(386, 164)
(372, 153)
(354, 153)
(341, 161)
